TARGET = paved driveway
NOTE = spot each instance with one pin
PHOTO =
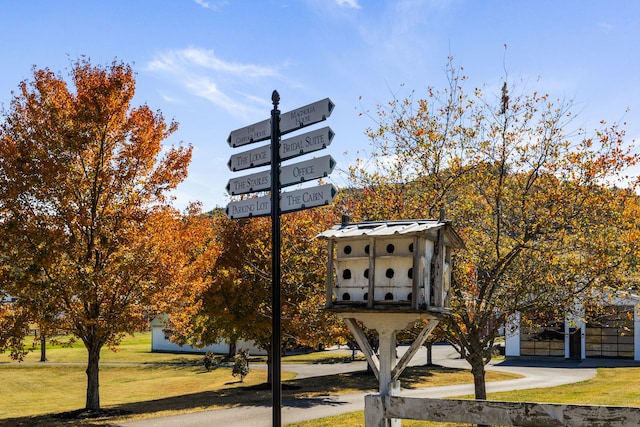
(541, 374)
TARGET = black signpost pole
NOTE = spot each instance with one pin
(275, 262)
(304, 198)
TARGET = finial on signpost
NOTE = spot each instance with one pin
(275, 98)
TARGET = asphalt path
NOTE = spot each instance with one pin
(535, 374)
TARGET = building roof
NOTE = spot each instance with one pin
(420, 227)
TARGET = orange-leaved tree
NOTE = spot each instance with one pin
(86, 220)
(237, 304)
(542, 208)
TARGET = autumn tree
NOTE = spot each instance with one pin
(86, 221)
(237, 305)
(542, 208)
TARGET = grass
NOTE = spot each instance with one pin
(610, 387)
(356, 419)
(145, 384)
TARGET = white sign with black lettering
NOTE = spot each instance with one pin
(249, 208)
(307, 198)
(297, 173)
(290, 201)
(306, 116)
(260, 181)
(253, 133)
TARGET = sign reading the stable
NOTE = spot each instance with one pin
(290, 201)
(289, 175)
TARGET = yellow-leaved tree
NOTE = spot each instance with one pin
(543, 209)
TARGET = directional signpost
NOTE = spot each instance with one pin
(277, 202)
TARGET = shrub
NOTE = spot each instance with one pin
(241, 364)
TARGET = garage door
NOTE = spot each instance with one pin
(542, 341)
(611, 335)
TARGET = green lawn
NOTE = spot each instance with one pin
(143, 384)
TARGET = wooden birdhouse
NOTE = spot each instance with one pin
(395, 265)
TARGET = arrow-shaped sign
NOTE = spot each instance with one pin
(260, 181)
(306, 198)
(289, 175)
(289, 148)
(249, 208)
(305, 116)
(290, 201)
(306, 171)
(289, 121)
(253, 133)
(250, 159)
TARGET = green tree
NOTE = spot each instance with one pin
(542, 208)
(85, 217)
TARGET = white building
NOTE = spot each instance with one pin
(615, 335)
(161, 342)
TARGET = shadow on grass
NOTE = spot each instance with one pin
(299, 393)
(336, 359)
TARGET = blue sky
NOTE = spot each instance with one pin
(212, 64)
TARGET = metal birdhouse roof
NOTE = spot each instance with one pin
(420, 227)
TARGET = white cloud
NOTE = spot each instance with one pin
(210, 5)
(348, 3)
(207, 59)
(224, 83)
(605, 26)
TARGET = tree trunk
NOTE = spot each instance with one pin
(93, 383)
(43, 348)
(477, 369)
(233, 343)
(269, 366)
